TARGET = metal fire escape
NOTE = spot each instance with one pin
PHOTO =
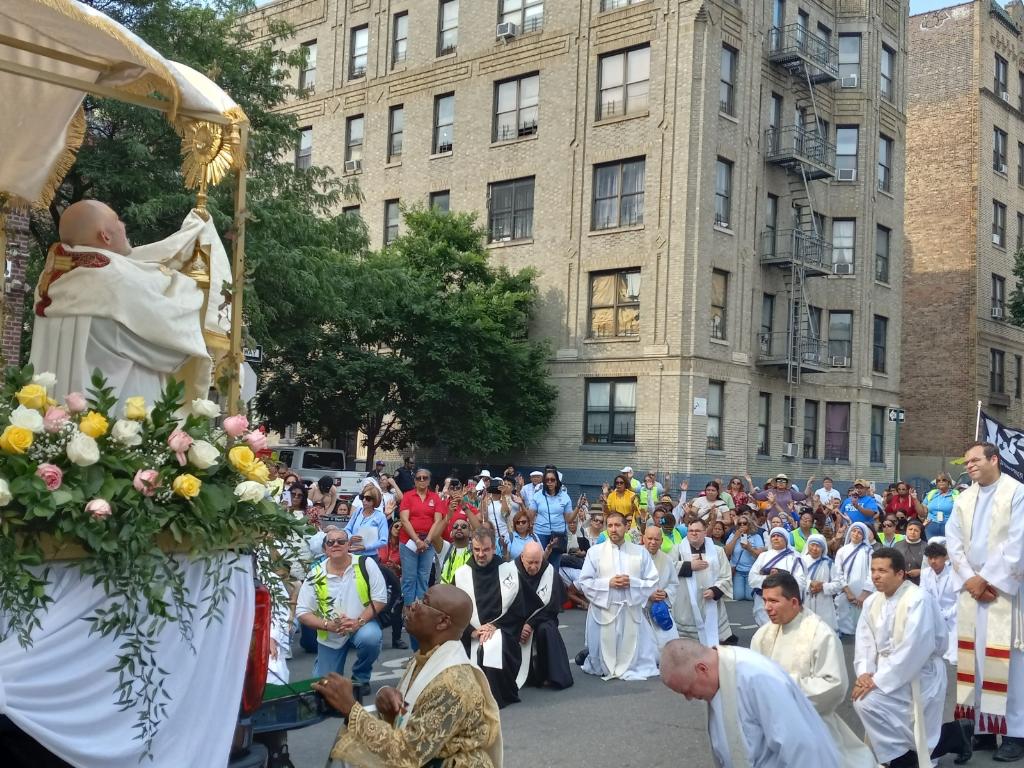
(803, 149)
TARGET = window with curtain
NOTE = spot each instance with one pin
(511, 210)
(878, 417)
(840, 335)
(764, 423)
(882, 254)
(304, 152)
(618, 194)
(810, 447)
(723, 193)
(719, 304)
(880, 344)
(844, 238)
(716, 409)
(615, 304)
(837, 431)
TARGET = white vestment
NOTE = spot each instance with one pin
(1004, 569)
(810, 652)
(652, 637)
(760, 718)
(134, 317)
(900, 643)
(616, 614)
(696, 617)
(853, 561)
(944, 587)
(823, 604)
(790, 561)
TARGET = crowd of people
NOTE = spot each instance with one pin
(913, 583)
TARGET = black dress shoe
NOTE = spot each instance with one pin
(581, 657)
(1010, 751)
(906, 760)
(985, 742)
(967, 738)
(400, 644)
(360, 690)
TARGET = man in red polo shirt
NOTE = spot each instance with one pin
(422, 513)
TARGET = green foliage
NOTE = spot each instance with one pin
(1015, 302)
(426, 343)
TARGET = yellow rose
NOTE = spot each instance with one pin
(32, 396)
(135, 409)
(242, 458)
(94, 425)
(15, 440)
(186, 486)
(257, 471)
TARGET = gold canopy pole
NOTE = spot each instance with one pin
(238, 279)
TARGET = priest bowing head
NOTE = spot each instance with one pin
(532, 558)
(690, 669)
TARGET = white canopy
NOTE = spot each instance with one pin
(53, 52)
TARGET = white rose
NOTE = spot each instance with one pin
(202, 455)
(5, 493)
(46, 379)
(127, 432)
(27, 418)
(250, 490)
(207, 408)
(83, 450)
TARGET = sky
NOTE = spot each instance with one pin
(920, 6)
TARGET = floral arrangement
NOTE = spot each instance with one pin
(125, 491)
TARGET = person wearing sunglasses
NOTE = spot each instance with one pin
(551, 511)
(340, 599)
(368, 528)
(452, 555)
(422, 515)
(888, 536)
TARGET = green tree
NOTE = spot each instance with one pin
(1015, 304)
(430, 348)
(131, 160)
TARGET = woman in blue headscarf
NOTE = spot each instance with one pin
(823, 579)
(853, 560)
(780, 556)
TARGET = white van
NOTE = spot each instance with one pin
(310, 464)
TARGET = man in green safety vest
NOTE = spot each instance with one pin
(340, 599)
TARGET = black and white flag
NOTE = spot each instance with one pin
(1009, 441)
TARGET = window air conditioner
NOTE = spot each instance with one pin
(352, 166)
(997, 313)
(506, 30)
(1005, 96)
(789, 450)
(842, 268)
(848, 81)
(847, 174)
(839, 362)
(1002, 168)
(997, 239)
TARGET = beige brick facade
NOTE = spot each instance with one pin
(953, 178)
(681, 134)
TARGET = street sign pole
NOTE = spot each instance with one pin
(896, 458)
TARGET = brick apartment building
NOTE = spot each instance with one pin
(711, 194)
(964, 223)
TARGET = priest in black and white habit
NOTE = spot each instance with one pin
(545, 660)
(499, 614)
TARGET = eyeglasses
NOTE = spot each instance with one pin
(460, 525)
(619, 482)
(888, 525)
(335, 542)
(424, 478)
(368, 497)
(423, 604)
(522, 522)
(550, 479)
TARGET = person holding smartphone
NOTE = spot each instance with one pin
(551, 510)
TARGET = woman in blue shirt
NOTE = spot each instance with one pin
(939, 501)
(551, 510)
(371, 518)
(742, 549)
(521, 535)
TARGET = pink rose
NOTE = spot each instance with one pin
(99, 509)
(236, 425)
(257, 441)
(51, 475)
(75, 402)
(146, 481)
(179, 442)
(54, 419)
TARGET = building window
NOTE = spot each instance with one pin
(846, 152)
(844, 238)
(764, 423)
(304, 152)
(882, 235)
(837, 431)
(727, 86)
(1020, 91)
(879, 343)
(998, 223)
(444, 123)
(447, 27)
(511, 210)
(618, 194)
(354, 143)
(391, 218)
(999, 143)
(623, 82)
(765, 338)
(810, 429)
(1020, 163)
(441, 201)
(885, 146)
(610, 411)
(1019, 372)
(996, 380)
(825, 33)
(307, 74)
(803, 18)
(396, 132)
(719, 303)
(350, 210)
(723, 193)
(515, 107)
(527, 15)
(998, 297)
(877, 434)
(789, 419)
(999, 81)
(716, 409)
(358, 54)
(1020, 230)
(778, 14)
(614, 304)
(611, 5)
(400, 38)
(840, 338)
(849, 60)
(888, 67)
(814, 322)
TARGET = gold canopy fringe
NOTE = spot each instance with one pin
(72, 142)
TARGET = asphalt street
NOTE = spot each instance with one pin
(595, 724)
